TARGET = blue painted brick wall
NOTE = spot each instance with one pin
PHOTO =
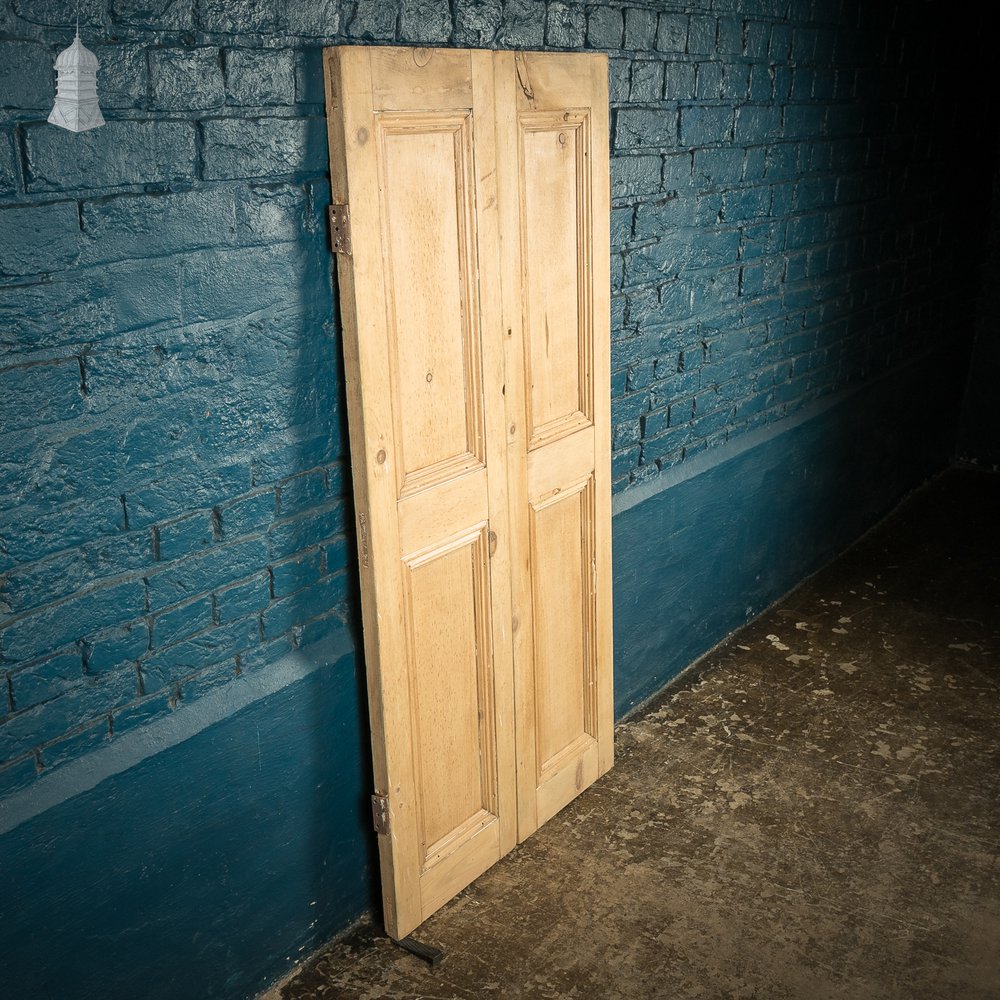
(172, 453)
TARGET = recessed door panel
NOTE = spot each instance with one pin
(555, 251)
(428, 245)
(563, 616)
(450, 671)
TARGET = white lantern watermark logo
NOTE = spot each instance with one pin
(76, 106)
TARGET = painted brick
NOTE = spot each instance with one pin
(237, 147)
(735, 82)
(91, 13)
(803, 120)
(118, 153)
(186, 78)
(622, 462)
(80, 741)
(336, 555)
(61, 575)
(701, 36)
(679, 81)
(477, 22)
(780, 45)
(209, 679)
(139, 713)
(33, 532)
(39, 394)
(621, 226)
(619, 80)
(8, 166)
(298, 608)
(46, 679)
(17, 774)
(127, 226)
(110, 649)
(635, 175)
(80, 706)
(672, 33)
(646, 81)
(718, 167)
(565, 25)
(245, 598)
(123, 79)
(185, 536)
(757, 124)
(173, 663)
(425, 21)
(317, 19)
(288, 537)
(605, 28)
(746, 203)
(181, 622)
(374, 20)
(522, 24)
(302, 492)
(708, 86)
(203, 572)
(154, 13)
(264, 654)
(643, 127)
(640, 29)
(325, 625)
(238, 15)
(293, 574)
(705, 125)
(730, 36)
(27, 78)
(257, 77)
(251, 513)
(39, 238)
(59, 624)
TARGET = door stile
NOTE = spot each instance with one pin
(353, 177)
(494, 381)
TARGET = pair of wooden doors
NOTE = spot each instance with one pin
(471, 209)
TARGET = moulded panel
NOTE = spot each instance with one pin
(563, 615)
(451, 694)
(429, 251)
(555, 249)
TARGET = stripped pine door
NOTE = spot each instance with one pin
(552, 160)
(442, 473)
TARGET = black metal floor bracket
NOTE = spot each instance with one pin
(431, 955)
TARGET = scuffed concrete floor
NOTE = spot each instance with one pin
(814, 813)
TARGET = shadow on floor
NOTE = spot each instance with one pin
(813, 813)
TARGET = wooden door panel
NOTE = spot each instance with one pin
(451, 674)
(429, 251)
(553, 176)
(563, 618)
(555, 267)
(412, 147)
(477, 382)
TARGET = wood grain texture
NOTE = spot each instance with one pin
(466, 353)
(553, 172)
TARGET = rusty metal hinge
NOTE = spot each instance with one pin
(340, 229)
(380, 814)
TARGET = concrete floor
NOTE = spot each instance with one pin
(813, 812)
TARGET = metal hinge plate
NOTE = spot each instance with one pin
(380, 813)
(340, 229)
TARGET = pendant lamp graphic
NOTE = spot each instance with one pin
(76, 106)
